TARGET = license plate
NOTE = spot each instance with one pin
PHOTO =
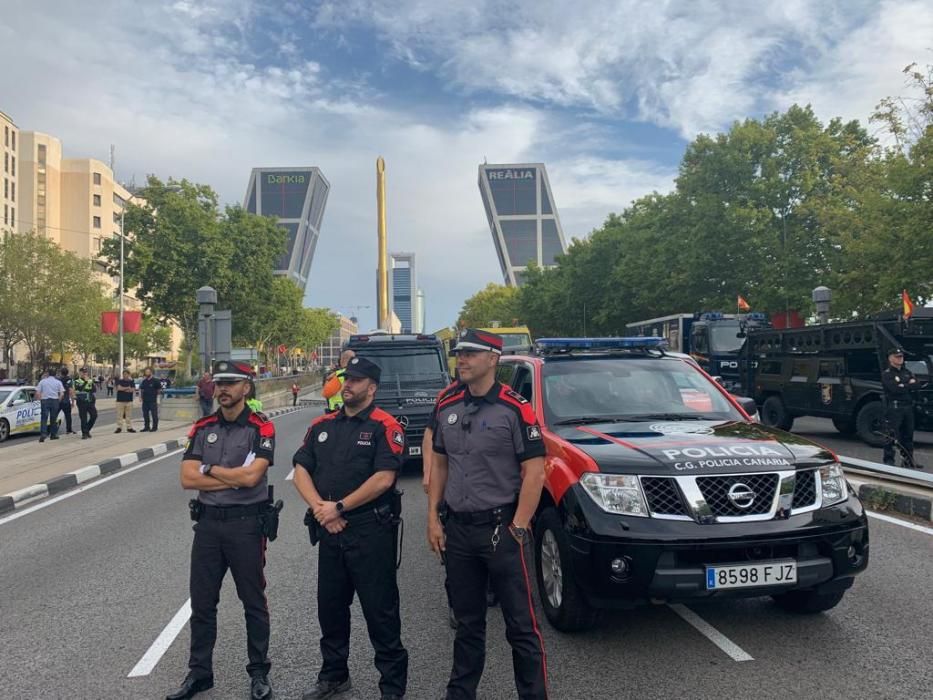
(414, 451)
(775, 573)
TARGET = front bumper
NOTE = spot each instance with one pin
(666, 560)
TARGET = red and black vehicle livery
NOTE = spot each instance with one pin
(660, 488)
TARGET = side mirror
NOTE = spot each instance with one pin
(747, 403)
(717, 379)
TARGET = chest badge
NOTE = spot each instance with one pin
(212, 438)
(322, 437)
(452, 418)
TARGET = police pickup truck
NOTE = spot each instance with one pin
(19, 410)
(660, 488)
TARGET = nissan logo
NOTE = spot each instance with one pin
(403, 421)
(741, 496)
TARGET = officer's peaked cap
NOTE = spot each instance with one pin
(896, 350)
(231, 369)
(484, 341)
(362, 368)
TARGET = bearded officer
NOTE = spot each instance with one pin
(489, 468)
(226, 459)
(346, 471)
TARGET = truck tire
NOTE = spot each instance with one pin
(846, 426)
(775, 414)
(808, 602)
(563, 601)
(869, 424)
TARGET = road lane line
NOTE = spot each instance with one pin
(161, 644)
(729, 647)
(291, 475)
(903, 523)
(81, 489)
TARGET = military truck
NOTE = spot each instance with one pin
(834, 371)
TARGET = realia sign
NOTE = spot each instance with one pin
(511, 174)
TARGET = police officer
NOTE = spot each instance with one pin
(899, 384)
(149, 390)
(489, 468)
(346, 471)
(67, 397)
(333, 382)
(226, 459)
(86, 398)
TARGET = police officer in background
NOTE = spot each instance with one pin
(489, 468)
(149, 390)
(226, 459)
(86, 398)
(67, 397)
(899, 385)
(346, 471)
(333, 382)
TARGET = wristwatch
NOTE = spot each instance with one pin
(519, 532)
(339, 506)
(206, 469)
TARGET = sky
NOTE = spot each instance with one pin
(606, 94)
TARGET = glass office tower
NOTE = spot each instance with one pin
(522, 217)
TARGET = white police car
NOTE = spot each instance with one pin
(19, 411)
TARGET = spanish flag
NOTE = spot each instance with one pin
(742, 304)
(908, 305)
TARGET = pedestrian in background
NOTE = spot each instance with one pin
(149, 390)
(50, 392)
(110, 384)
(255, 405)
(66, 402)
(126, 387)
(295, 390)
(900, 386)
(86, 400)
(100, 383)
(206, 394)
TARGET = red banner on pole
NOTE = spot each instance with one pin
(283, 349)
(110, 322)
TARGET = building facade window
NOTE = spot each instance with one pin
(6, 188)
(42, 153)
(13, 165)
(6, 214)
(13, 191)
(96, 200)
(14, 140)
(96, 222)
(6, 162)
(6, 135)
(12, 216)
(97, 178)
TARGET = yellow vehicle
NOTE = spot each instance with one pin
(516, 340)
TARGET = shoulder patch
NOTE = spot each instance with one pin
(325, 417)
(200, 423)
(520, 404)
(266, 426)
(515, 395)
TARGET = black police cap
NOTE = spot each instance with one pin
(231, 369)
(895, 351)
(362, 368)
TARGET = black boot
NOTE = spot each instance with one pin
(327, 689)
(260, 688)
(191, 687)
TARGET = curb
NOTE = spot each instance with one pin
(886, 499)
(30, 494)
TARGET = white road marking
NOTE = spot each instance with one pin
(15, 515)
(161, 644)
(903, 523)
(729, 647)
(291, 475)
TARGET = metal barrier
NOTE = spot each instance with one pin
(912, 477)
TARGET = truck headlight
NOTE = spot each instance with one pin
(834, 484)
(615, 493)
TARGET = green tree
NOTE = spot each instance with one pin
(495, 304)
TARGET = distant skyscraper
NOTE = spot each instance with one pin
(522, 217)
(403, 290)
(296, 196)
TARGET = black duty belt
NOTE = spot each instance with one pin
(483, 517)
(231, 512)
(900, 404)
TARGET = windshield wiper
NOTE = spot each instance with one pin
(671, 416)
(584, 420)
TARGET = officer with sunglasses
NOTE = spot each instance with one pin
(488, 466)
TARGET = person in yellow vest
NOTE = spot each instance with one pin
(333, 382)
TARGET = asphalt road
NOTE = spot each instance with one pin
(88, 583)
(106, 419)
(821, 430)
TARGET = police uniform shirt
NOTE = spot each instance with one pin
(84, 389)
(485, 438)
(342, 452)
(68, 384)
(896, 383)
(215, 440)
(449, 390)
(149, 388)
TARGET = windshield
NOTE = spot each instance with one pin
(406, 362)
(631, 389)
(723, 338)
(515, 340)
(4, 394)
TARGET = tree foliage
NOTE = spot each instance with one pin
(494, 305)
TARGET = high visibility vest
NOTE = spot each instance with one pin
(333, 389)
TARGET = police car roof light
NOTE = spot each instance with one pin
(711, 316)
(759, 316)
(359, 338)
(554, 345)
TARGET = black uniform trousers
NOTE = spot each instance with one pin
(361, 560)
(471, 559)
(87, 412)
(151, 414)
(899, 419)
(236, 544)
(65, 407)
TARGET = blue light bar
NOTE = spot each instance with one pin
(711, 316)
(570, 344)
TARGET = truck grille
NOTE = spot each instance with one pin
(715, 490)
(805, 489)
(663, 496)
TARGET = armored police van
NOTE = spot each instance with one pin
(834, 371)
(414, 371)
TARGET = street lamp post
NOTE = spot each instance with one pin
(120, 326)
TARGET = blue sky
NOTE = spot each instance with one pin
(607, 94)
